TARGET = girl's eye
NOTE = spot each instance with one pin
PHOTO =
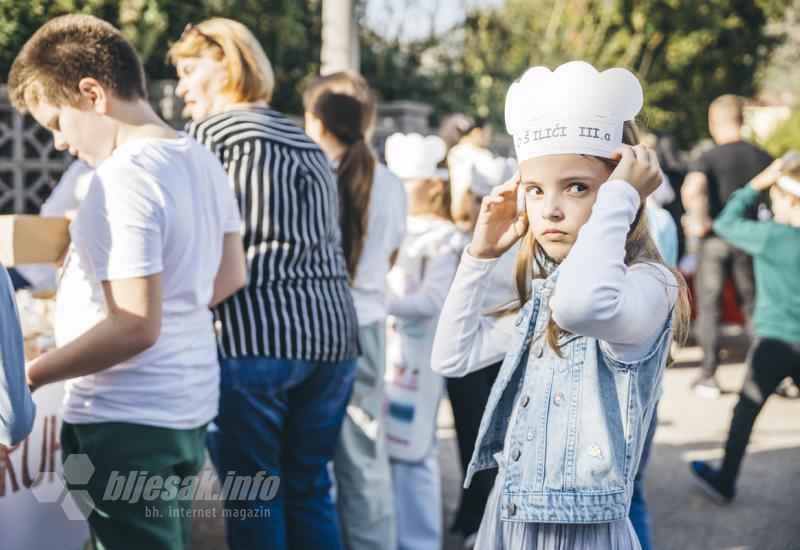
(577, 187)
(533, 190)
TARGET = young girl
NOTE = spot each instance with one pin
(775, 354)
(340, 115)
(418, 285)
(567, 417)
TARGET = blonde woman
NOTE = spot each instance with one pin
(287, 340)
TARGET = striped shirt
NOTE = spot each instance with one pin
(297, 303)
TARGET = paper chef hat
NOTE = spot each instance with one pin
(414, 156)
(488, 172)
(573, 109)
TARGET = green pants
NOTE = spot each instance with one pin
(132, 507)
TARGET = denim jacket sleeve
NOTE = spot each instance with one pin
(17, 410)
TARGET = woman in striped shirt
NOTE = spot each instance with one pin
(288, 340)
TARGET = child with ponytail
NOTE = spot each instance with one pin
(340, 115)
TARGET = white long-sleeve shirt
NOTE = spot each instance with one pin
(419, 281)
(596, 295)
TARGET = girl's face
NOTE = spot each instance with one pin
(201, 83)
(560, 191)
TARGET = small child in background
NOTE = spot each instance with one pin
(775, 353)
(418, 285)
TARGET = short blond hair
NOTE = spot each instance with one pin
(250, 76)
(67, 49)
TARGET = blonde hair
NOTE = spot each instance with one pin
(639, 248)
(250, 75)
(67, 49)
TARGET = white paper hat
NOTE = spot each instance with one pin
(490, 172)
(414, 156)
(573, 109)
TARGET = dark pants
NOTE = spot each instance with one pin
(283, 418)
(468, 397)
(717, 259)
(124, 517)
(769, 362)
(640, 519)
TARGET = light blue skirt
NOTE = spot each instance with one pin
(496, 534)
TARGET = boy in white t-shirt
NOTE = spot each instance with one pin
(154, 243)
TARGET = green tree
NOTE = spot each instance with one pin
(686, 53)
(785, 136)
(289, 31)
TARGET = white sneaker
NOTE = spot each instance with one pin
(706, 387)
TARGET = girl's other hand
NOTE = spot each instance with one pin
(499, 223)
(638, 165)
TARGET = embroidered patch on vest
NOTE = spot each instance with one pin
(559, 399)
(595, 451)
(531, 434)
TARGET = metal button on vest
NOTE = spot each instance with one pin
(515, 454)
(511, 508)
(525, 400)
(538, 351)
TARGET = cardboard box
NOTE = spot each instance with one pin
(28, 239)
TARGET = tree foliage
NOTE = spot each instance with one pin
(686, 53)
(289, 31)
(785, 136)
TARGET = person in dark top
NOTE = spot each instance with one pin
(715, 176)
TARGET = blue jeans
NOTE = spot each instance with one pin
(638, 513)
(283, 418)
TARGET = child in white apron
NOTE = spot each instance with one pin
(418, 285)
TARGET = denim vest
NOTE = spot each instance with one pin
(580, 422)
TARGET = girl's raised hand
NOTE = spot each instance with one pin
(499, 223)
(768, 176)
(638, 165)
